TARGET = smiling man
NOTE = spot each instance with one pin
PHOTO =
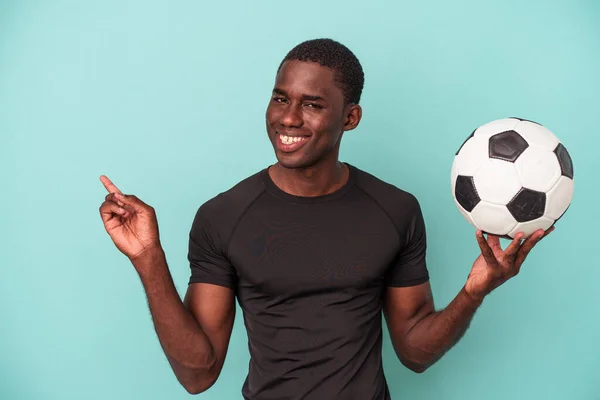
(315, 250)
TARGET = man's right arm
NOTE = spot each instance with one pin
(193, 333)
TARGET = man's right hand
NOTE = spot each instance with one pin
(131, 223)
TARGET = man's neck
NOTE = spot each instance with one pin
(310, 182)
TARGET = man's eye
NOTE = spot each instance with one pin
(312, 105)
(278, 99)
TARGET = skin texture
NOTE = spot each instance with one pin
(195, 332)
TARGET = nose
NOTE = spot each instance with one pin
(291, 117)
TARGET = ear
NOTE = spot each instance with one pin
(353, 116)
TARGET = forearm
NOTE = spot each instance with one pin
(186, 346)
(435, 333)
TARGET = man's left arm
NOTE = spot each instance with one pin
(421, 335)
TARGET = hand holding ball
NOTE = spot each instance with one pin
(512, 175)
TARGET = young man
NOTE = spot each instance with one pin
(315, 251)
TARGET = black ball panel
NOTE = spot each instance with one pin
(564, 159)
(527, 205)
(507, 146)
(465, 192)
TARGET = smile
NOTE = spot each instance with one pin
(292, 139)
(289, 144)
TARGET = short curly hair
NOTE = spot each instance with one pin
(332, 54)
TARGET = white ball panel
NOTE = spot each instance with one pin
(491, 128)
(497, 181)
(538, 168)
(493, 218)
(537, 135)
(472, 155)
(530, 227)
(465, 214)
(559, 198)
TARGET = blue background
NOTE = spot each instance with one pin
(168, 100)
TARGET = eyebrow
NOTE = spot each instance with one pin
(304, 96)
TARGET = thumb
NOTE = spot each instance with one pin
(132, 201)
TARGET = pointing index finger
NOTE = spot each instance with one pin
(109, 185)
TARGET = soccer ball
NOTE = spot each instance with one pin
(512, 175)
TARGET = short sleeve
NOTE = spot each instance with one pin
(409, 268)
(207, 253)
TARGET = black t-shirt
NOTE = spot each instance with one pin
(309, 274)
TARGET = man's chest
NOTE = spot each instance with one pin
(283, 250)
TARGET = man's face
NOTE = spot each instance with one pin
(306, 115)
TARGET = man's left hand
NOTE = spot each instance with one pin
(494, 266)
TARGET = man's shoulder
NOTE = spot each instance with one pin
(231, 203)
(384, 192)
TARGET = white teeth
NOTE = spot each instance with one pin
(291, 139)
